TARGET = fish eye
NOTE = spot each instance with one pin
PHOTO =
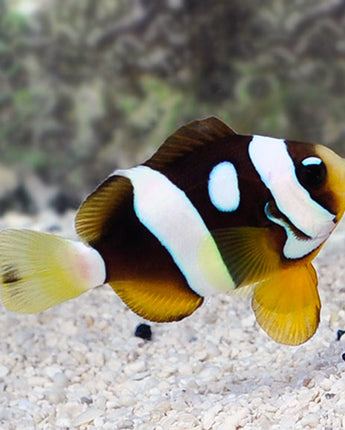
(311, 172)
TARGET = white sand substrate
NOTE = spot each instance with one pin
(79, 365)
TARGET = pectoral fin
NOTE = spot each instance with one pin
(249, 254)
(287, 304)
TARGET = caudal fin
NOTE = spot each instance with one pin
(40, 270)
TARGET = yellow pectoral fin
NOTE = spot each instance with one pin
(287, 304)
(158, 301)
(244, 257)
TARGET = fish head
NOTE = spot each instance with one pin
(321, 173)
(307, 186)
(331, 185)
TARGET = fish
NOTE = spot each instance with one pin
(212, 211)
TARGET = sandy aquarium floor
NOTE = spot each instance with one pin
(79, 365)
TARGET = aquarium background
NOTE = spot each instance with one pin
(88, 86)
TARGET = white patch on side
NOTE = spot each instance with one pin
(166, 211)
(223, 187)
(311, 161)
(276, 169)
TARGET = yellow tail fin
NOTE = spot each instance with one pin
(40, 270)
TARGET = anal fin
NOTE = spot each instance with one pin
(160, 301)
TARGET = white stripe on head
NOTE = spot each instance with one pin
(295, 247)
(169, 215)
(223, 187)
(273, 163)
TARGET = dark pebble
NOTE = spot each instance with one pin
(86, 400)
(340, 333)
(143, 331)
(343, 356)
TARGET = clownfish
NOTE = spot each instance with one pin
(210, 211)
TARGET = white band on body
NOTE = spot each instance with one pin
(169, 215)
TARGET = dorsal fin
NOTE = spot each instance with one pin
(93, 215)
(186, 139)
(100, 206)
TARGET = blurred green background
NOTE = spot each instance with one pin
(87, 86)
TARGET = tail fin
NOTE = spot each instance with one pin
(40, 270)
